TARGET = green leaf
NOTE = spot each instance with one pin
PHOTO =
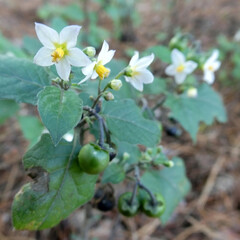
(191, 111)
(114, 173)
(161, 52)
(7, 109)
(172, 183)
(131, 149)
(6, 47)
(126, 123)
(158, 86)
(31, 45)
(58, 23)
(58, 188)
(59, 110)
(21, 80)
(31, 127)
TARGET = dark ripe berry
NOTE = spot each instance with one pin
(107, 203)
(104, 199)
(173, 131)
(99, 194)
(112, 155)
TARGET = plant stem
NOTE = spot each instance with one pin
(120, 74)
(108, 136)
(96, 101)
(134, 194)
(99, 86)
(138, 181)
(101, 127)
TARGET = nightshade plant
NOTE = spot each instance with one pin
(81, 98)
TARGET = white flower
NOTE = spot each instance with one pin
(137, 75)
(210, 66)
(96, 68)
(192, 92)
(59, 49)
(180, 67)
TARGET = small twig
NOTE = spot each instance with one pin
(198, 227)
(148, 229)
(159, 103)
(210, 182)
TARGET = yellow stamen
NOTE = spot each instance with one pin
(211, 68)
(180, 68)
(102, 71)
(57, 55)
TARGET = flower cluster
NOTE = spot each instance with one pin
(60, 49)
(180, 68)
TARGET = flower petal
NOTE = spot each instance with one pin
(190, 66)
(103, 51)
(212, 58)
(145, 61)
(94, 75)
(177, 57)
(179, 78)
(85, 79)
(215, 55)
(170, 70)
(145, 76)
(216, 65)
(46, 35)
(63, 69)
(134, 59)
(43, 57)
(69, 35)
(77, 58)
(108, 57)
(135, 83)
(209, 77)
(89, 69)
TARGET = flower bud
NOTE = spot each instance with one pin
(149, 151)
(108, 96)
(126, 156)
(159, 149)
(192, 92)
(89, 51)
(168, 163)
(115, 84)
(128, 72)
